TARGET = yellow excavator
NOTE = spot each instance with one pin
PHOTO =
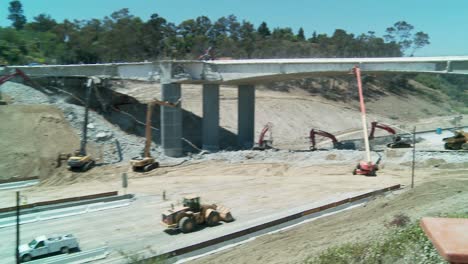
(457, 142)
(148, 163)
(80, 160)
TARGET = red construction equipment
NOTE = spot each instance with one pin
(397, 142)
(366, 167)
(263, 143)
(336, 143)
(18, 72)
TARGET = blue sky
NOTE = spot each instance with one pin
(446, 22)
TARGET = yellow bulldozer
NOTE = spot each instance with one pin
(457, 142)
(186, 217)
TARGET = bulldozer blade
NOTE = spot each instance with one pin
(224, 213)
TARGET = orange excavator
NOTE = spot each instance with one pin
(336, 144)
(263, 143)
(397, 141)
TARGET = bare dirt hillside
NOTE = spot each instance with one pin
(31, 137)
(358, 225)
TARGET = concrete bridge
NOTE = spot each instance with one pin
(243, 73)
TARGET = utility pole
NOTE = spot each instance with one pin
(17, 227)
(414, 157)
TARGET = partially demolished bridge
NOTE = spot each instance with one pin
(243, 73)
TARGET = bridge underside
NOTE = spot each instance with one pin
(244, 73)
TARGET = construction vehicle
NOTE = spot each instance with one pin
(80, 160)
(367, 167)
(146, 162)
(263, 143)
(397, 141)
(457, 142)
(17, 73)
(186, 217)
(336, 144)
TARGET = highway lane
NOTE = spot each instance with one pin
(135, 228)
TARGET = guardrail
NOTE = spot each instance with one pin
(60, 201)
(75, 258)
(18, 184)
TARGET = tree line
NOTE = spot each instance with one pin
(123, 37)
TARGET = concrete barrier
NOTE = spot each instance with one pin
(65, 211)
(75, 258)
(18, 184)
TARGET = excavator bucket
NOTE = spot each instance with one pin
(224, 213)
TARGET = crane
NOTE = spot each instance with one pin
(80, 160)
(148, 163)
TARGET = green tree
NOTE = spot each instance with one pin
(300, 34)
(16, 15)
(420, 40)
(263, 30)
(42, 23)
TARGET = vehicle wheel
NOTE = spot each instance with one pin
(64, 250)
(213, 218)
(150, 167)
(354, 172)
(26, 258)
(228, 218)
(187, 224)
(465, 146)
(372, 173)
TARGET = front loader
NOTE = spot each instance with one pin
(187, 217)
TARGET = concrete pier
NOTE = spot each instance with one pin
(246, 116)
(171, 121)
(211, 117)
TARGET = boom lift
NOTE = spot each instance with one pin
(148, 163)
(336, 144)
(397, 142)
(80, 160)
(365, 167)
(263, 143)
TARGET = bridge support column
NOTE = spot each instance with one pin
(171, 120)
(211, 117)
(246, 116)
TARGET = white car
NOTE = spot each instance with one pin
(43, 245)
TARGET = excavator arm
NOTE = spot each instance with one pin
(381, 126)
(314, 132)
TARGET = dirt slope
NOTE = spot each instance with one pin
(360, 224)
(30, 139)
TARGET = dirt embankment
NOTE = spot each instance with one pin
(357, 225)
(31, 137)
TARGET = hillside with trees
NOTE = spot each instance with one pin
(122, 36)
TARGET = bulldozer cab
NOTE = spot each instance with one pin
(192, 202)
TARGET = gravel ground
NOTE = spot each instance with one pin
(100, 132)
(104, 134)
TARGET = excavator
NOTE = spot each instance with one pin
(80, 160)
(457, 142)
(336, 144)
(148, 163)
(263, 143)
(397, 141)
(18, 72)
